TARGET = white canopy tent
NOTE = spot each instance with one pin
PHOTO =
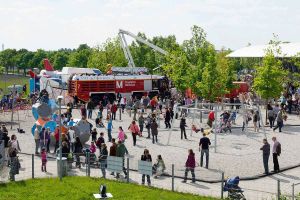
(258, 51)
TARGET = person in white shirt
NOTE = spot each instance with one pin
(37, 140)
(276, 152)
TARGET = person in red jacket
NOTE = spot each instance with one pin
(211, 118)
(114, 109)
(190, 165)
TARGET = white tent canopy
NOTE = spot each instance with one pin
(258, 51)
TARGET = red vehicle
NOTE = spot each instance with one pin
(241, 87)
(96, 87)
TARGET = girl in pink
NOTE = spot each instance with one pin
(134, 130)
(44, 159)
(121, 135)
(93, 147)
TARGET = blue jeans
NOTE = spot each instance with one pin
(90, 113)
(206, 152)
(109, 135)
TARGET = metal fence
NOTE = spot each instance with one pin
(31, 168)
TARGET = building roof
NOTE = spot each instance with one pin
(259, 51)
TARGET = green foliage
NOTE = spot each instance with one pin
(83, 188)
(80, 57)
(179, 70)
(212, 84)
(269, 77)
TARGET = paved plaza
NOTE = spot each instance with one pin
(237, 154)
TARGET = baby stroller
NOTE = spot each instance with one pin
(234, 191)
(225, 125)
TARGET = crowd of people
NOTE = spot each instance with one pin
(146, 119)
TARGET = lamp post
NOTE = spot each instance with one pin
(60, 98)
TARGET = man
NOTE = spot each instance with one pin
(100, 141)
(276, 152)
(204, 147)
(280, 116)
(37, 140)
(90, 107)
(266, 154)
(109, 129)
(114, 109)
(168, 118)
(121, 150)
(211, 118)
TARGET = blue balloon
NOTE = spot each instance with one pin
(51, 125)
(35, 113)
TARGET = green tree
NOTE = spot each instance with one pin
(60, 60)
(178, 69)
(8, 58)
(37, 60)
(212, 85)
(269, 76)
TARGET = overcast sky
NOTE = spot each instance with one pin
(54, 24)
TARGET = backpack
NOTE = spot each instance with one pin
(278, 149)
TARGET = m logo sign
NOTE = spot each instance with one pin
(119, 84)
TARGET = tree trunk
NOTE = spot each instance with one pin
(267, 112)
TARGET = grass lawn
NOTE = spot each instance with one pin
(8, 79)
(82, 188)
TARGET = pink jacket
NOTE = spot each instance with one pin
(44, 155)
(121, 136)
(93, 148)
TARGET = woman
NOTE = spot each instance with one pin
(13, 150)
(103, 158)
(134, 130)
(146, 157)
(182, 127)
(121, 135)
(77, 151)
(159, 167)
(190, 165)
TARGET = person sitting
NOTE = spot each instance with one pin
(195, 129)
(159, 167)
(99, 123)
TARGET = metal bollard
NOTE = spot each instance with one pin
(130, 112)
(222, 186)
(278, 190)
(293, 191)
(127, 170)
(173, 177)
(32, 165)
(89, 164)
(120, 113)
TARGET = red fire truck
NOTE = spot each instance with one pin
(85, 86)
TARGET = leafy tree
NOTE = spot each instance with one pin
(178, 70)
(79, 58)
(23, 59)
(60, 60)
(212, 85)
(270, 75)
(8, 58)
(37, 60)
(226, 70)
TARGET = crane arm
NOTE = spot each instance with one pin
(156, 48)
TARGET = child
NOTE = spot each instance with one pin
(44, 159)
(93, 147)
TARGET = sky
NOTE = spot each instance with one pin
(54, 24)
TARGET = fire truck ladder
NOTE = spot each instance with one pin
(126, 48)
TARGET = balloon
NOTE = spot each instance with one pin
(51, 125)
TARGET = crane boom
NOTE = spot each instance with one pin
(127, 51)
